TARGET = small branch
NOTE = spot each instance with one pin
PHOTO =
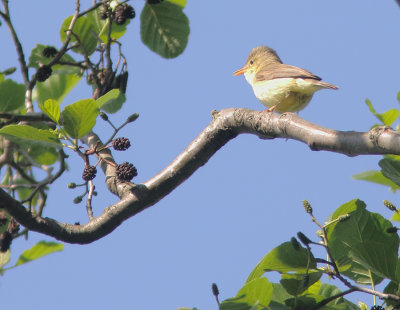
(20, 52)
(29, 117)
(225, 126)
(89, 201)
(94, 7)
(329, 299)
(376, 293)
(49, 180)
(108, 45)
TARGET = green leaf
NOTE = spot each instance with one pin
(24, 192)
(258, 291)
(235, 304)
(113, 105)
(346, 208)
(296, 284)
(80, 117)
(57, 86)
(111, 95)
(12, 95)
(327, 291)
(396, 217)
(36, 59)
(390, 169)
(52, 109)
(278, 298)
(85, 31)
(164, 28)
(398, 96)
(362, 247)
(377, 177)
(4, 258)
(43, 155)
(39, 250)
(387, 118)
(392, 288)
(284, 258)
(181, 3)
(304, 301)
(22, 134)
(101, 26)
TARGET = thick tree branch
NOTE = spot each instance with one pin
(226, 125)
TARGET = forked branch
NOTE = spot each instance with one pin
(226, 125)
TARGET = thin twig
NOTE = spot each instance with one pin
(329, 299)
(21, 56)
(30, 117)
(89, 200)
(50, 179)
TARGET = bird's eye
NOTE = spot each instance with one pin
(251, 61)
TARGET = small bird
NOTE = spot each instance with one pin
(280, 87)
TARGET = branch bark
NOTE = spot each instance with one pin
(226, 125)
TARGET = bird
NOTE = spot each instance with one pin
(279, 87)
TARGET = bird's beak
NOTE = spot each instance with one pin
(240, 71)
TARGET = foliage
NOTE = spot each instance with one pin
(89, 49)
(361, 246)
(361, 253)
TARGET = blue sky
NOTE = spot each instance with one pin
(247, 198)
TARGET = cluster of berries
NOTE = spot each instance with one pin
(120, 15)
(124, 172)
(45, 71)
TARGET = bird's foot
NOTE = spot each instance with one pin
(271, 109)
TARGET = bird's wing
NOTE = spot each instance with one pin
(278, 71)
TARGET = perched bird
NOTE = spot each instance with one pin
(280, 87)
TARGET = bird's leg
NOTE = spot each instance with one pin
(271, 109)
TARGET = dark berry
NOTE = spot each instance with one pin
(121, 144)
(303, 238)
(120, 20)
(49, 51)
(5, 241)
(154, 1)
(215, 289)
(104, 11)
(13, 226)
(43, 73)
(130, 12)
(391, 230)
(119, 17)
(122, 12)
(121, 81)
(89, 173)
(126, 171)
